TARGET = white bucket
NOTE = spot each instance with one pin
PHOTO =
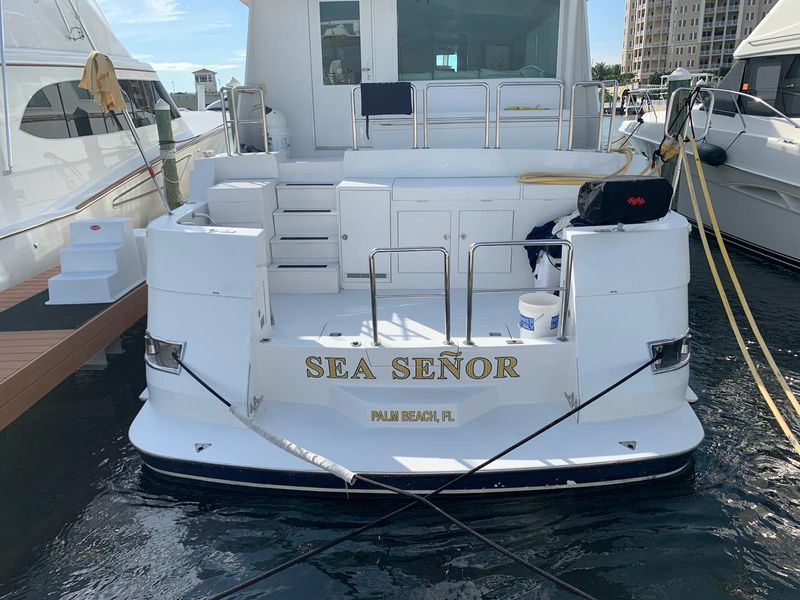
(538, 315)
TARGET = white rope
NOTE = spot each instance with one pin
(295, 450)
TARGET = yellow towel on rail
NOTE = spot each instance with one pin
(101, 80)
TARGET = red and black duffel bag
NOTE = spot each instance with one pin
(624, 200)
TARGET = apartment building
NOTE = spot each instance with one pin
(699, 35)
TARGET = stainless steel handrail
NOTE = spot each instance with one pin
(229, 93)
(374, 292)
(498, 103)
(711, 93)
(8, 158)
(602, 85)
(564, 289)
(354, 119)
(456, 84)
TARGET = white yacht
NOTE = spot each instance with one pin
(756, 120)
(357, 298)
(62, 158)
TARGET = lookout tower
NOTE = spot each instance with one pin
(206, 78)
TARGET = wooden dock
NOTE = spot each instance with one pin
(40, 346)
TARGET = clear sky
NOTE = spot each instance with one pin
(181, 36)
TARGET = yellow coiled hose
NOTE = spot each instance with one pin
(547, 178)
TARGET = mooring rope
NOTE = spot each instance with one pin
(737, 286)
(505, 552)
(425, 499)
(724, 297)
(308, 456)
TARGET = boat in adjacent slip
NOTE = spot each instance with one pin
(360, 299)
(63, 158)
(754, 116)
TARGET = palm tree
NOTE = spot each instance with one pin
(601, 71)
(605, 72)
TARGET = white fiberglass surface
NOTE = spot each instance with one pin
(407, 320)
(417, 450)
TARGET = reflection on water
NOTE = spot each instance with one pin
(79, 518)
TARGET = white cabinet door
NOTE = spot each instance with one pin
(422, 228)
(485, 226)
(364, 224)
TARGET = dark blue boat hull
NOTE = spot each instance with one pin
(482, 482)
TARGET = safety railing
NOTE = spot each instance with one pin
(564, 290)
(456, 84)
(8, 158)
(602, 85)
(355, 120)
(710, 105)
(498, 119)
(228, 95)
(374, 291)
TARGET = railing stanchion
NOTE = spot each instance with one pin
(486, 117)
(470, 284)
(353, 116)
(562, 321)
(414, 141)
(223, 99)
(373, 292)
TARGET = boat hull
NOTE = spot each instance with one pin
(488, 482)
(755, 195)
(571, 455)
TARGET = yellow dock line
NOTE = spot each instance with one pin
(724, 298)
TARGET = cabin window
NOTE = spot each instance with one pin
(475, 39)
(64, 110)
(774, 79)
(340, 29)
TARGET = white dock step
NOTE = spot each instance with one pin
(78, 258)
(306, 196)
(305, 246)
(101, 264)
(306, 222)
(303, 276)
(88, 287)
